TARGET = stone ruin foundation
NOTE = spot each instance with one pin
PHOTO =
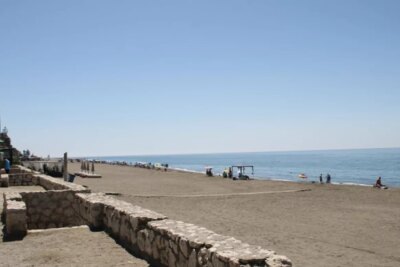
(145, 233)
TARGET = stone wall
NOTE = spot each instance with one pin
(51, 183)
(4, 180)
(19, 169)
(165, 242)
(18, 176)
(14, 216)
(51, 209)
(21, 176)
(20, 179)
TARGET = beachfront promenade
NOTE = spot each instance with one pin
(312, 224)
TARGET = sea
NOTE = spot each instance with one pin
(355, 166)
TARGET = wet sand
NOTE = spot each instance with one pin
(312, 224)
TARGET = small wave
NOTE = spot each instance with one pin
(186, 170)
(356, 184)
(297, 181)
(274, 179)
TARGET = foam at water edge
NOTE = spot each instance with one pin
(186, 170)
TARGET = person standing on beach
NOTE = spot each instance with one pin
(7, 165)
(230, 172)
(239, 173)
(320, 179)
(328, 178)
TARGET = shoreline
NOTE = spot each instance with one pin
(183, 170)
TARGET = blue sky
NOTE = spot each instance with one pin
(166, 77)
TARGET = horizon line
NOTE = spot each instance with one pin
(239, 152)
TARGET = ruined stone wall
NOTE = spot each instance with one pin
(51, 183)
(19, 169)
(51, 209)
(165, 242)
(20, 175)
(20, 179)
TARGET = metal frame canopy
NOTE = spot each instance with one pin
(242, 168)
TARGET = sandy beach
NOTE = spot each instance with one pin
(312, 224)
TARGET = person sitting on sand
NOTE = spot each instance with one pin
(378, 183)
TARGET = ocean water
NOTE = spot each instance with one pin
(358, 166)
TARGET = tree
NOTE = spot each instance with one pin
(26, 154)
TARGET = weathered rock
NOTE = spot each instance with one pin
(192, 259)
(171, 259)
(4, 180)
(278, 261)
(15, 218)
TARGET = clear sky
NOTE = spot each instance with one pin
(166, 77)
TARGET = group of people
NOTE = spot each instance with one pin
(328, 179)
(209, 172)
(227, 173)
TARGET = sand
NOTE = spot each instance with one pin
(312, 224)
(76, 246)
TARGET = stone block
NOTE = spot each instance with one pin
(69, 212)
(91, 209)
(125, 229)
(35, 179)
(12, 196)
(278, 261)
(4, 180)
(16, 219)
